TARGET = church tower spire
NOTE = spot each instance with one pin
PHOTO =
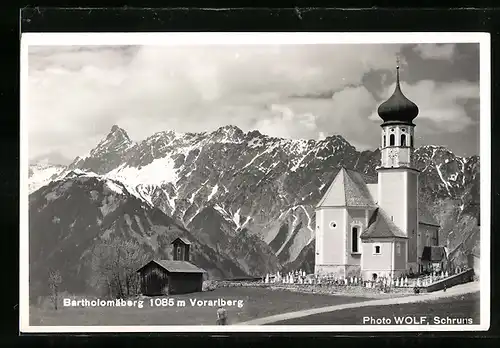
(398, 113)
(397, 70)
(397, 175)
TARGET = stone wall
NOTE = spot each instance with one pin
(460, 278)
(326, 289)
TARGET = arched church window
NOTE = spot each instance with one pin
(391, 140)
(384, 140)
(411, 140)
(354, 241)
(398, 248)
(178, 253)
(403, 139)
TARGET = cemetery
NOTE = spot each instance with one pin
(403, 285)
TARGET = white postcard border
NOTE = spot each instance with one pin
(206, 38)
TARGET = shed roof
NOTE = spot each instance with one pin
(433, 253)
(381, 226)
(176, 266)
(182, 240)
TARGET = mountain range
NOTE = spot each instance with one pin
(244, 199)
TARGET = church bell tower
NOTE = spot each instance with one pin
(397, 175)
(397, 142)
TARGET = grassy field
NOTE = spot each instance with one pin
(464, 306)
(257, 303)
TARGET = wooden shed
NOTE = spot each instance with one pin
(164, 277)
(180, 249)
(177, 276)
(434, 258)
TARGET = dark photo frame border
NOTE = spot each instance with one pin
(257, 20)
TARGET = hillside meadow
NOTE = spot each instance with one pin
(190, 309)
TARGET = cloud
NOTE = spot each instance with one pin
(286, 123)
(441, 105)
(53, 157)
(435, 51)
(75, 94)
(321, 136)
(346, 113)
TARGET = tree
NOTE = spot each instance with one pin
(114, 263)
(55, 280)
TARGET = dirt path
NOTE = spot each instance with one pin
(454, 291)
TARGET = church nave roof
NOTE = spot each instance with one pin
(380, 225)
(348, 189)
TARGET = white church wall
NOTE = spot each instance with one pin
(331, 233)
(391, 195)
(373, 263)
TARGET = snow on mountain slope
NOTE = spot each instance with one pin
(40, 174)
(264, 185)
(68, 217)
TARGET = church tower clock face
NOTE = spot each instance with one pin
(393, 156)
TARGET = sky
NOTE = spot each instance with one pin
(77, 93)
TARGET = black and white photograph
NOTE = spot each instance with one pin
(255, 182)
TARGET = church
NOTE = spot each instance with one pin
(374, 226)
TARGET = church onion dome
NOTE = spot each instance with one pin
(398, 108)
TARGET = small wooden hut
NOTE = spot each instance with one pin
(177, 276)
(434, 258)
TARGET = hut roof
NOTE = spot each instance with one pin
(182, 240)
(433, 253)
(176, 266)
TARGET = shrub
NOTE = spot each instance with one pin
(208, 285)
(114, 264)
(47, 302)
(54, 281)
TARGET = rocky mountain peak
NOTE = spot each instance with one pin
(235, 190)
(333, 144)
(338, 139)
(255, 133)
(110, 151)
(117, 141)
(229, 133)
(118, 135)
(230, 128)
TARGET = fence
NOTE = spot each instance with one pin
(459, 278)
(384, 283)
